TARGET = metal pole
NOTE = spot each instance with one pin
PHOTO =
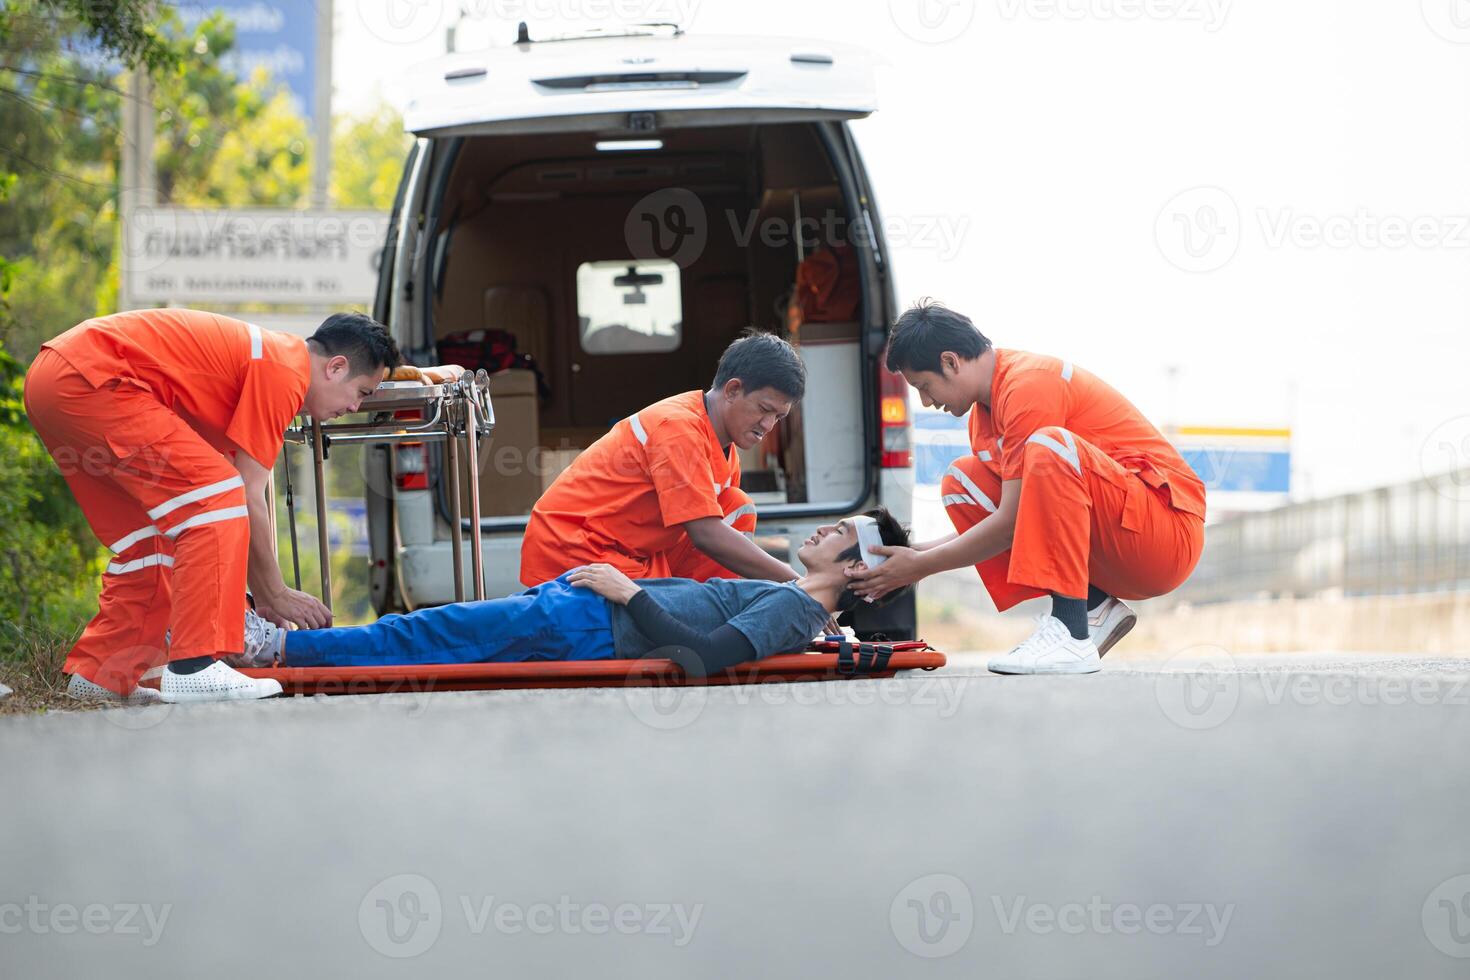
(321, 169)
(291, 517)
(472, 454)
(451, 446)
(137, 172)
(317, 453)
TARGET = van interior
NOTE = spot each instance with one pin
(536, 238)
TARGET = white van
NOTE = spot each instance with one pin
(623, 206)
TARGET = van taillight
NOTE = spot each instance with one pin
(410, 459)
(893, 420)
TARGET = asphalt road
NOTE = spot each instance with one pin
(1248, 818)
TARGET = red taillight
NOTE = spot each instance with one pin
(410, 459)
(893, 420)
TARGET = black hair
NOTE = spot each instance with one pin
(893, 534)
(763, 360)
(365, 342)
(927, 329)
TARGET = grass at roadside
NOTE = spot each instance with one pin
(30, 664)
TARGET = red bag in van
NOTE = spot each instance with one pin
(492, 351)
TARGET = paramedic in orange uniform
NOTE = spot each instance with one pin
(166, 424)
(1069, 492)
(659, 496)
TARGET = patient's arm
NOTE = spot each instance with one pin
(698, 653)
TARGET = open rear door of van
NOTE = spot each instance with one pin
(630, 87)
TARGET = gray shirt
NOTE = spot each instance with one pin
(775, 617)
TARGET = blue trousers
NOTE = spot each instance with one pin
(553, 621)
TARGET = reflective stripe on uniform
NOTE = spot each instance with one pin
(957, 498)
(976, 492)
(1067, 452)
(256, 342)
(124, 543)
(199, 493)
(1066, 370)
(122, 568)
(984, 455)
(738, 513)
(209, 517)
(638, 430)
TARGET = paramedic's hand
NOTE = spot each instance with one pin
(903, 567)
(290, 606)
(607, 582)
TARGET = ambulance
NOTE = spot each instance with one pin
(601, 216)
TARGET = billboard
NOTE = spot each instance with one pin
(253, 255)
(280, 37)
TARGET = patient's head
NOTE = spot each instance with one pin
(835, 547)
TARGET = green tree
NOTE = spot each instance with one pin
(367, 159)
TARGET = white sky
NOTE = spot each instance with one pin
(1052, 139)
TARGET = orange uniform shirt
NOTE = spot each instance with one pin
(1030, 391)
(234, 383)
(631, 489)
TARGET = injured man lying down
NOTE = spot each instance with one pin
(595, 612)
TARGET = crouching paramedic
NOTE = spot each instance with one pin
(1069, 492)
(659, 496)
(165, 425)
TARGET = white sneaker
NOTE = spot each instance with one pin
(263, 642)
(82, 689)
(217, 682)
(1109, 623)
(1052, 649)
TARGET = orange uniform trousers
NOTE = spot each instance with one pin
(1083, 520)
(683, 560)
(171, 511)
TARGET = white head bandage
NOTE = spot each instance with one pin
(868, 537)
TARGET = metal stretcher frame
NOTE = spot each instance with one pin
(813, 665)
(459, 410)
